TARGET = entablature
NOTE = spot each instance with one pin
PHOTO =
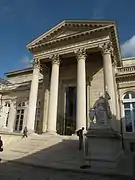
(88, 45)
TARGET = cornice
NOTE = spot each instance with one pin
(125, 78)
(72, 36)
(18, 87)
(109, 28)
(70, 23)
(127, 84)
(124, 73)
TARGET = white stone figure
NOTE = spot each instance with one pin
(101, 110)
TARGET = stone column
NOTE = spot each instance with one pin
(81, 89)
(88, 102)
(33, 96)
(109, 77)
(53, 98)
(44, 99)
(12, 115)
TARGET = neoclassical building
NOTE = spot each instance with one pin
(72, 63)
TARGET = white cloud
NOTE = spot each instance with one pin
(128, 48)
(25, 61)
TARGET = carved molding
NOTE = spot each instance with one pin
(80, 53)
(106, 48)
(71, 48)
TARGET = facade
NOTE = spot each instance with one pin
(72, 63)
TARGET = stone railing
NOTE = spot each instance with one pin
(126, 70)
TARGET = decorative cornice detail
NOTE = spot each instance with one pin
(80, 53)
(106, 48)
(55, 59)
(72, 36)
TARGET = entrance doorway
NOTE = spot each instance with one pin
(70, 111)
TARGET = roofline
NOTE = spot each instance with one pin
(61, 23)
(43, 34)
(128, 58)
(18, 71)
(88, 21)
(88, 31)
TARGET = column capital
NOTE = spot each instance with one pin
(80, 53)
(106, 48)
(55, 59)
(36, 63)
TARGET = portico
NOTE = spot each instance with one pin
(73, 57)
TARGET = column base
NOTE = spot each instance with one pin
(51, 132)
(30, 131)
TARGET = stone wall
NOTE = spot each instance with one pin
(22, 78)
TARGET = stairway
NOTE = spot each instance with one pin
(45, 150)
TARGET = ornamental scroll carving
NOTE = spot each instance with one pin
(55, 59)
(80, 53)
(106, 48)
(36, 63)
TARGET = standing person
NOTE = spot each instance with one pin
(1, 146)
(80, 135)
(25, 131)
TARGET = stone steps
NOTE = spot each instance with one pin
(42, 147)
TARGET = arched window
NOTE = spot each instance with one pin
(19, 116)
(129, 111)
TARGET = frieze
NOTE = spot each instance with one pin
(72, 47)
(126, 84)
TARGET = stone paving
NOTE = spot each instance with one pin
(13, 171)
(47, 155)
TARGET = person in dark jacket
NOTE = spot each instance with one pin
(80, 135)
(25, 132)
(1, 145)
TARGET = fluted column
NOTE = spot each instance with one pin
(109, 77)
(53, 98)
(33, 96)
(81, 89)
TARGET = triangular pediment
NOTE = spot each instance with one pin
(69, 27)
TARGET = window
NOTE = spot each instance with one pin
(7, 109)
(129, 111)
(19, 116)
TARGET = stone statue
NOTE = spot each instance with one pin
(101, 110)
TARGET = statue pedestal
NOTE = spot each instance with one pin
(104, 148)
